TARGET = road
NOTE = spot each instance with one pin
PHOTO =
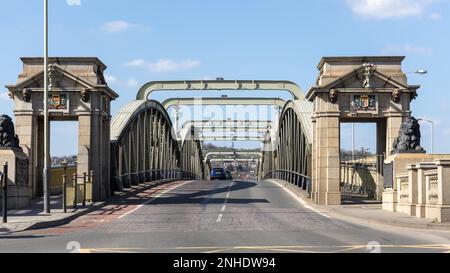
(219, 217)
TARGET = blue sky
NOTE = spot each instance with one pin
(253, 39)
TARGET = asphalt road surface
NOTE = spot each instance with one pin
(220, 217)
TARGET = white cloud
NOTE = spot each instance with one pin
(406, 49)
(4, 96)
(120, 26)
(435, 16)
(110, 79)
(136, 63)
(164, 65)
(132, 82)
(73, 2)
(169, 65)
(382, 9)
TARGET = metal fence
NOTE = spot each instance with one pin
(360, 176)
(300, 180)
(77, 191)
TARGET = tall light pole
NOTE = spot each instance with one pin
(46, 184)
(432, 132)
(353, 141)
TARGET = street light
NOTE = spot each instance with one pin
(418, 72)
(432, 132)
(421, 72)
(45, 177)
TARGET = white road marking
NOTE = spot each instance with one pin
(224, 207)
(301, 201)
(153, 199)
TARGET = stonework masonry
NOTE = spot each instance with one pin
(78, 92)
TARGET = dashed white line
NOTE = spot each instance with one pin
(153, 199)
(224, 207)
(301, 201)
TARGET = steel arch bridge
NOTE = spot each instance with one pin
(289, 156)
(144, 147)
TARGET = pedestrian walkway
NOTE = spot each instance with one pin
(367, 213)
(32, 217)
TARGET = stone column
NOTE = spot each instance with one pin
(27, 128)
(327, 160)
(394, 122)
(84, 144)
(421, 188)
(443, 204)
(382, 152)
(412, 189)
(92, 155)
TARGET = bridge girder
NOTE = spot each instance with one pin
(208, 155)
(290, 158)
(241, 85)
(144, 147)
(224, 101)
(207, 124)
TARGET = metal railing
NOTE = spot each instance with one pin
(134, 179)
(300, 180)
(76, 192)
(4, 186)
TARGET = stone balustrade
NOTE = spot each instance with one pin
(424, 191)
(403, 186)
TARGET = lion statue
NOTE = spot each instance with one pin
(8, 137)
(409, 137)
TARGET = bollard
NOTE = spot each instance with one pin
(84, 188)
(5, 192)
(64, 193)
(75, 192)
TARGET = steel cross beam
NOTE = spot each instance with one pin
(223, 101)
(208, 155)
(233, 160)
(232, 138)
(230, 124)
(241, 85)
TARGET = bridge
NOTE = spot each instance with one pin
(301, 145)
(162, 163)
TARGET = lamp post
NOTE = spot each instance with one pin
(418, 72)
(46, 178)
(64, 163)
(353, 141)
(432, 132)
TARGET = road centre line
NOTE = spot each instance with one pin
(224, 207)
(153, 199)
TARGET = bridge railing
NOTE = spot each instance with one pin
(300, 180)
(138, 178)
(424, 191)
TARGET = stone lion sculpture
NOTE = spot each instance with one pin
(409, 137)
(8, 137)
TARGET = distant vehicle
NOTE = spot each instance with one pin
(228, 175)
(218, 174)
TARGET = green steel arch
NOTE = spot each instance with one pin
(289, 158)
(144, 147)
(242, 85)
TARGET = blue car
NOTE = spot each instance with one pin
(218, 174)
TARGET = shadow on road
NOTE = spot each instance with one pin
(12, 237)
(194, 196)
